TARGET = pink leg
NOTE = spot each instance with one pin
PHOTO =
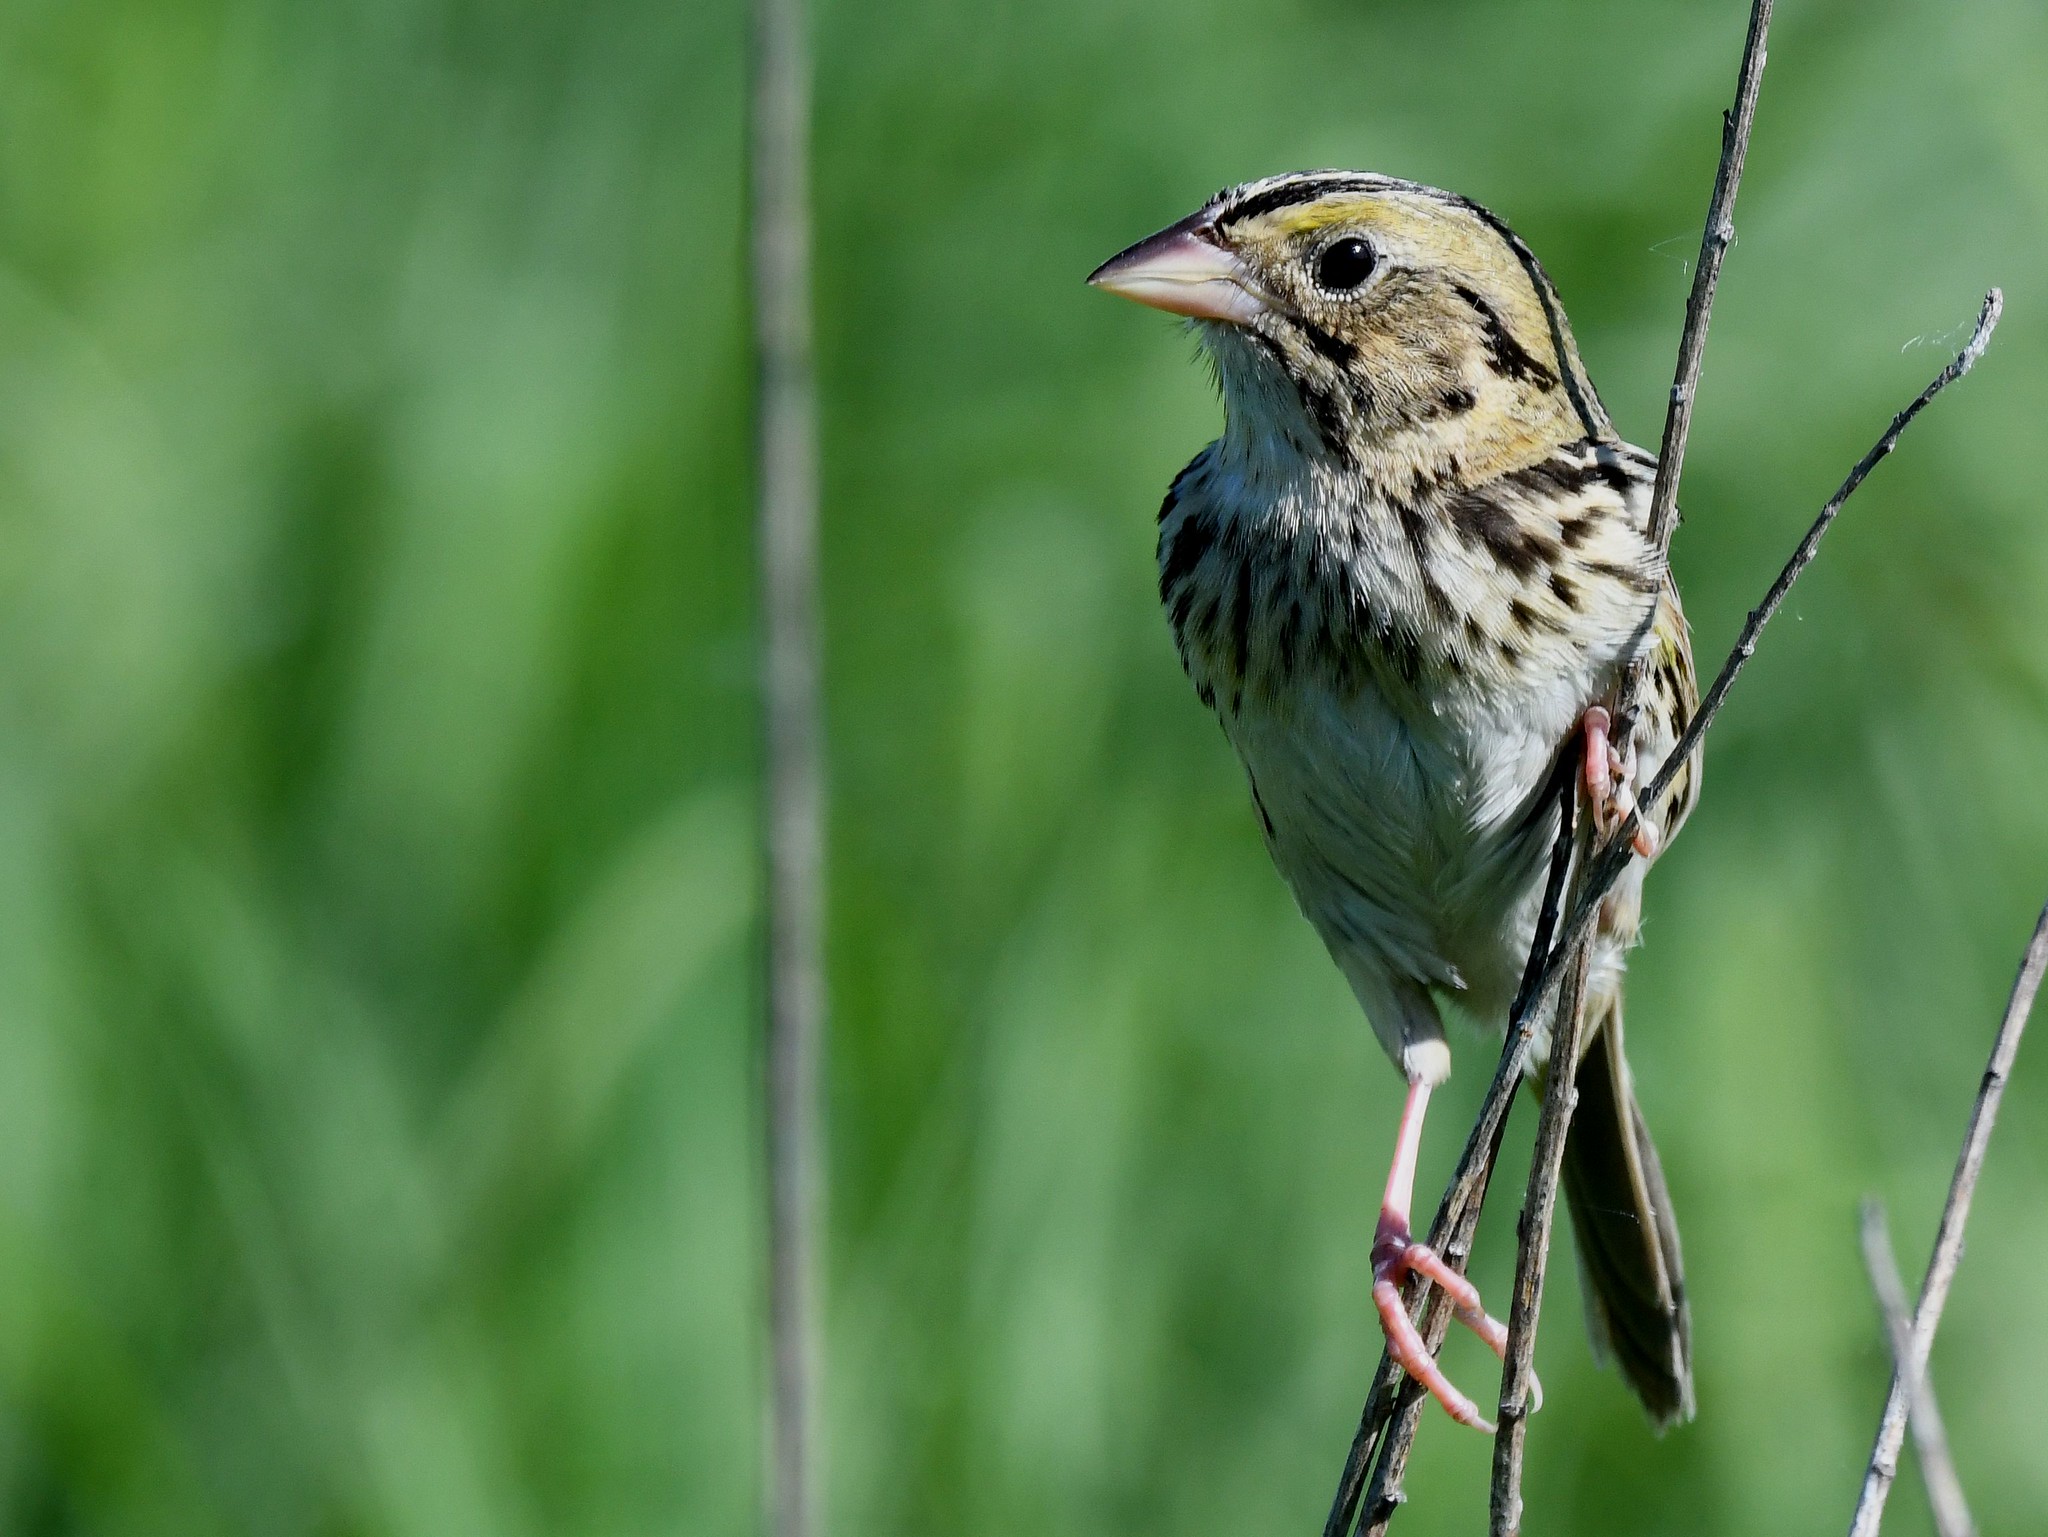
(1396, 1254)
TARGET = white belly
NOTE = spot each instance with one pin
(1411, 840)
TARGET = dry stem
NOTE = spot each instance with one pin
(1457, 1219)
(1948, 1242)
(1533, 1252)
(1930, 1436)
(1613, 855)
(1560, 1099)
(1394, 1433)
(1715, 239)
(787, 489)
(1459, 1214)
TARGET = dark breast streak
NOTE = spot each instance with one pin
(1260, 607)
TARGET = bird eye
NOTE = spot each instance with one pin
(1344, 265)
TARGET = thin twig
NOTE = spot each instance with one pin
(1930, 1436)
(1613, 855)
(1457, 1220)
(1397, 1402)
(1538, 1208)
(1745, 645)
(1469, 1184)
(1715, 239)
(1716, 236)
(1610, 858)
(787, 488)
(1540, 1204)
(1948, 1241)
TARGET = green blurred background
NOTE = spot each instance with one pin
(378, 1142)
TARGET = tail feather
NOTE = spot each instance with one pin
(1631, 1270)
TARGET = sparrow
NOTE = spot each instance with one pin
(1409, 579)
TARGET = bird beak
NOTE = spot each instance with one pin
(1184, 271)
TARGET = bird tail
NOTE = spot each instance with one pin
(1630, 1268)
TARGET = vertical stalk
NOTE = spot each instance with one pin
(1539, 1207)
(786, 487)
(1948, 1239)
(1930, 1435)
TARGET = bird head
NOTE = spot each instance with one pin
(1370, 319)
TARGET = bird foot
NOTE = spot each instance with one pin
(1396, 1255)
(1610, 776)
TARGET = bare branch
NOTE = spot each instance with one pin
(1716, 236)
(1715, 239)
(1468, 1183)
(1392, 1412)
(1461, 1203)
(1451, 1233)
(1538, 1208)
(1948, 1241)
(1562, 1098)
(1457, 1220)
(1930, 1436)
(787, 489)
(1745, 645)
(1396, 1402)
(1613, 855)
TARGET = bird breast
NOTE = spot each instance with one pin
(1397, 675)
(1416, 841)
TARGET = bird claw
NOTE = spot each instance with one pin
(1610, 776)
(1396, 1255)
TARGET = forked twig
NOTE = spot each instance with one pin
(1388, 1424)
(1457, 1219)
(1948, 1241)
(1380, 1428)
(1614, 854)
(1561, 1099)
(1930, 1436)
(1460, 1208)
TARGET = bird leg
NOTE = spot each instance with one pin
(1396, 1255)
(1610, 782)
